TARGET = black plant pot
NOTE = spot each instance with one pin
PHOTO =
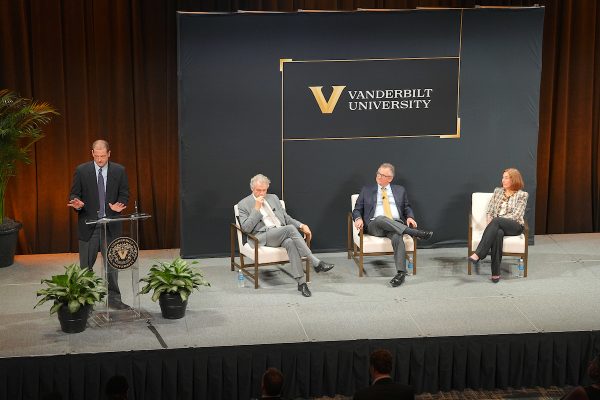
(9, 233)
(76, 322)
(171, 306)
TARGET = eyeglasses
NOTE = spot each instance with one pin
(380, 175)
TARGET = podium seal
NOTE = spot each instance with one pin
(122, 252)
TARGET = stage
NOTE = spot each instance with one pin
(548, 321)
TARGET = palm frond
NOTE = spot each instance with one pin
(21, 122)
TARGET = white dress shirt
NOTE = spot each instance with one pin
(269, 218)
(379, 206)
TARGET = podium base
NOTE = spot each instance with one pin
(102, 318)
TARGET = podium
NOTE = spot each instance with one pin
(123, 251)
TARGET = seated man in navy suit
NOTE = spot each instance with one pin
(384, 211)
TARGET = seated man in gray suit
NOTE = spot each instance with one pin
(262, 215)
(384, 211)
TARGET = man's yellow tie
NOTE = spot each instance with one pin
(387, 210)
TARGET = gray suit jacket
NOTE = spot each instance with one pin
(251, 219)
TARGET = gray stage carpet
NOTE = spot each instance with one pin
(562, 293)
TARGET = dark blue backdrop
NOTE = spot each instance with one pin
(230, 117)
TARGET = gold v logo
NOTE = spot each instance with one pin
(327, 106)
(123, 254)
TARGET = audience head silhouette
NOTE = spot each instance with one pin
(116, 388)
(272, 382)
(381, 363)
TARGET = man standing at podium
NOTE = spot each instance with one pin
(100, 189)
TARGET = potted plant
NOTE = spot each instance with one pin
(73, 294)
(20, 127)
(172, 283)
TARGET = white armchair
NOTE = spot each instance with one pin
(513, 245)
(361, 244)
(258, 255)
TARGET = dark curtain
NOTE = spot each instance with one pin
(110, 69)
(568, 197)
(310, 369)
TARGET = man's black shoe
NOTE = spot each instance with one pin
(398, 279)
(118, 305)
(425, 235)
(323, 267)
(303, 288)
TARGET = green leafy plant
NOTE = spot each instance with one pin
(75, 288)
(176, 277)
(20, 127)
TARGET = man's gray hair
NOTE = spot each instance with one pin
(388, 166)
(100, 144)
(259, 178)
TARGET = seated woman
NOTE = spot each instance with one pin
(505, 218)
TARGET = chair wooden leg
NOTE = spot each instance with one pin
(470, 243)
(526, 255)
(255, 275)
(361, 249)
(256, 265)
(360, 263)
(415, 259)
(356, 256)
(232, 243)
(469, 255)
(349, 238)
(307, 270)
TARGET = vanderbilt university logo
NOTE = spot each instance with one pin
(122, 252)
(327, 106)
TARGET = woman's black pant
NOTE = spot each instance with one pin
(493, 237)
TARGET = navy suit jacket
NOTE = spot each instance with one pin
(85, 188)
(367, 202)
(384, 389)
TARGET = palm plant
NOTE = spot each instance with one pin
(21, 122)
(176, 277)
(75, 288)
